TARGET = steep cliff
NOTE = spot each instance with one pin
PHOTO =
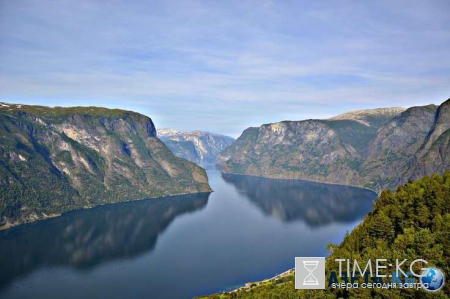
(434, 155)
(195, 146)
(54, 160)
(390, 152)
(378, 148)
(309, 149)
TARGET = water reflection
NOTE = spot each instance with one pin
(83, 239)
(315, 203)
(115, 247)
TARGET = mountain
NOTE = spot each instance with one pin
(389, 154)
(372, 117)
(377, 148)
(195, 146)
(53, 160)
(434, 154)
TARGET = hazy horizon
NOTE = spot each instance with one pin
(223, 67)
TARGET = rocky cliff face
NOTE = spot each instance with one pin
(390, 152)
(434, 154)
(309, 149)
(54, 160)
(372, 148)
(195, 146)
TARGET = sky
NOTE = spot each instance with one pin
(222, 66)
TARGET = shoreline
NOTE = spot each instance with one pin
(249, 285)
(9, 225)
(299, 179)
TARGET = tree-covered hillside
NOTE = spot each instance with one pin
(412, 223)
(54, 160)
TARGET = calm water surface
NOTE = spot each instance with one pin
(248, 229)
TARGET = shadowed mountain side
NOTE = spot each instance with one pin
(195, 146)
(84, 239)
(294, 200)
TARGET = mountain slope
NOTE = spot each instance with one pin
(195, 146)
(309, 149)
(389, 153)
(373, 117)
(320, 150)
(378, 148)
(434, 154)
(54, 160)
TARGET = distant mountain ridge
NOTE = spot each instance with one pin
(377, 149)
(370, 117)
(195, 146)
(53, 160)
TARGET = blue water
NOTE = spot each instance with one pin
(179, 247)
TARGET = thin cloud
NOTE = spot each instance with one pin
(188, 63)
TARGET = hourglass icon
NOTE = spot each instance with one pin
(310, 279)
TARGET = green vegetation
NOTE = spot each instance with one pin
(314, 150)
(412, 223)
(375, 149)
(61, 113)
(54, 160)
(353, 133)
